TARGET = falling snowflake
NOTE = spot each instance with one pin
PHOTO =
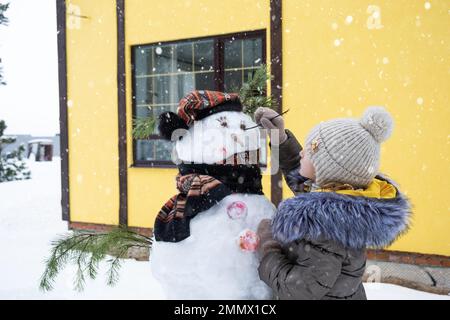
(348, 20)
(374, 19)
(338, 42)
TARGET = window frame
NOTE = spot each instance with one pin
(219, 79)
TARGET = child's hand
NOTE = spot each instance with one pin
(266, 117)
(266, 241)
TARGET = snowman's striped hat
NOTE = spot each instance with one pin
(197, 105)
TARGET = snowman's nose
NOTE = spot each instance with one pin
(236, 139)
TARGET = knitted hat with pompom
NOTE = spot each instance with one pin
(348, 150)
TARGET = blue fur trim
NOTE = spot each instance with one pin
(353, 221)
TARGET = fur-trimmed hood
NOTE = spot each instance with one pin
(354, 221)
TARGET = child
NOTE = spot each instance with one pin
(314, 248)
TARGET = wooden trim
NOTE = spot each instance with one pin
(122, 116)
(94, 227)
(219, 74)
(63, 119)
(133, 108)
(154, 164)
(276, 84)
(218, 77)
(409, 258)
(236, 35)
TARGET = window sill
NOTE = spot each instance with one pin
(167, 165)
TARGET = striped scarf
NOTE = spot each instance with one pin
(200, 187)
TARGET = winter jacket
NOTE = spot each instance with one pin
(324, 234)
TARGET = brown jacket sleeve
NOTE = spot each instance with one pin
(310, 277)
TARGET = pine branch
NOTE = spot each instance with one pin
(3, 19)
(143, 127)
(115, 264)
(253, 92)
(61, 254)
(86, 251)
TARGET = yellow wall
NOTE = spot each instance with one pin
(155, 21)
(399, 65)
(92, 111)
(331, 69)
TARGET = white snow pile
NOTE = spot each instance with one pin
(210, 264)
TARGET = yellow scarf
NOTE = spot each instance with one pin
(379, 189)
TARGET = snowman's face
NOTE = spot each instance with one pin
(218, 137)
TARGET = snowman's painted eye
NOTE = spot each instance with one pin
(243, 126)
(223, 122)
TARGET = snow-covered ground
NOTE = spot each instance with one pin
(30, 217)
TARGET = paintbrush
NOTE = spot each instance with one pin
(260, 125)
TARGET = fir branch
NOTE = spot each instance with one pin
(143, 127)
(253, 92)
(61, 253)
(114, 266)
(86, 251)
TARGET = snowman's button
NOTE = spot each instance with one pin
(237, 210)
(248, 240)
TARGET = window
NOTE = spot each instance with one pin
(163, 73)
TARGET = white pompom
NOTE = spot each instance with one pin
(378, 122)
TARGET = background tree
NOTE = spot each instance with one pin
(12, 164)
(3, 21)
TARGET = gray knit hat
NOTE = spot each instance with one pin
(348, 150)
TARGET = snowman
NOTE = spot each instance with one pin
(205, 236)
